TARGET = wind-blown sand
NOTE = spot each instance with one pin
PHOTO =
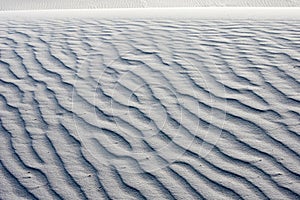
(105, 108)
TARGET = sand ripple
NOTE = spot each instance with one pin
(138, 109)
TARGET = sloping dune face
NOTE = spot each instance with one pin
(140, 109)
(88, 4)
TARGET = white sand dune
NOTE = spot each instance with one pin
(92, 4)
(94, 108)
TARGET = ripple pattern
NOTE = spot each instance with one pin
(149, 109)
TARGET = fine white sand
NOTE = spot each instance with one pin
(150, 104)
(92, 4)
(215, 13)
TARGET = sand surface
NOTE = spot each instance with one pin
(92, 4)
(94, 107)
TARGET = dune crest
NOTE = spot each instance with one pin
(96, 4)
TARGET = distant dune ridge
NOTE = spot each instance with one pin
(91, 4)
(149, 109)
